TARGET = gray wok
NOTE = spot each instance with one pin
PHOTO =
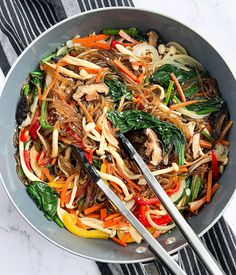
(170, 30)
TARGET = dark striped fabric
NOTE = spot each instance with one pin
(21, 21)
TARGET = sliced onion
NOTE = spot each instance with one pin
(118, 181)
(26, 171)
(130, 204)
(134, 234)
(158, 227)
(73, 193)
(141, 50)
(80, 62)
(179, 193)
(43, 141)
(55, 135)
(97, 224)
(33, 162)
(191, 114)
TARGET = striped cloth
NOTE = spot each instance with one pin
(21, 21)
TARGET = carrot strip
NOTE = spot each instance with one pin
(90, 70)
(116, 187)
(156, 234)
(93, 208)
(140, 78)
(85, 111)
(113, 184)
(39, 92)
(65, 188)
(100, 74)
(53, 161)
(224, 142)
(112, 222)
(136, 63)
(183, 104)
(118, 241)
(205, 144)
(90, 38)
(226, 129)
(183, 169)
(103, 213)
(48, 175)
(112, 216)
(178, 87)
(81, 225)
(126, 237)
(209, 186)
(128, 180)
(93, 215)
(97, 45)
(125, 70)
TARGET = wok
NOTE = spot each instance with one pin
(170, 30)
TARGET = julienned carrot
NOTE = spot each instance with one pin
(112, 222)
(112, 216)
(90, 119)
(178, 87)
(224, 142)
(128, 180)
(100, 74)
(97, 45)
(156, 234)
(81, 225)
(93, 208)
(205, 144)
(183, 104)
(97, 37)
(126, 237)
(103, 213)
(47, 174)
(89, 70)
(209, 186)
(183, 169)
(115, 239)
(116, 187)
(53, 161)
(93, 215)
(65, 188)
(226, 129)
(125, 70)
(141, 77)
(113, 184)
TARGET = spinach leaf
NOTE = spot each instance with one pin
(45, 198)
(208, 106)
(135, 120)
(162, 76)
(117, 89)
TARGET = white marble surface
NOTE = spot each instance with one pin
(23, 251)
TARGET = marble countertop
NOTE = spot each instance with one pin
(23, 251)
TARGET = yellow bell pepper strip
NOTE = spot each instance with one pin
(70, 223)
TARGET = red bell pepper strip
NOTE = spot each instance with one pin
(215, 166)
(114, 43)
(24, 135)
(142, 201)
(142, 216)
(162, 220)
(33, 130)
(27, 159)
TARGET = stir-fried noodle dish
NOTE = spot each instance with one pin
(89, 89)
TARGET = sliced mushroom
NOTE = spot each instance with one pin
(91, 91)
(153, 147)
(195, 145)
(152, 38)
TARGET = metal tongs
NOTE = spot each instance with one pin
(202, 252)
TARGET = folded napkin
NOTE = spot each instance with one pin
(21, 21)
